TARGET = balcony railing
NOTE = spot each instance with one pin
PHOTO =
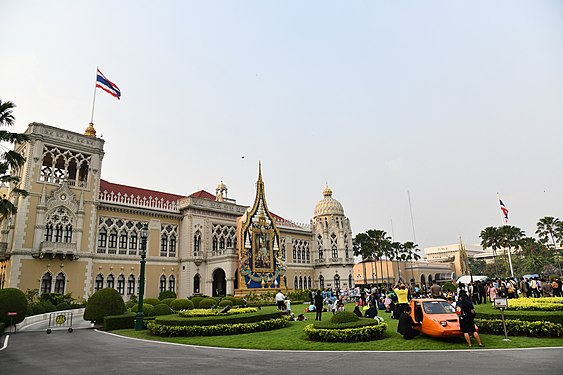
(57, 249)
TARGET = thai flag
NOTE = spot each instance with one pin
(504, 211)
(107, 85)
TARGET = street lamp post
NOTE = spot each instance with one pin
(139, 318)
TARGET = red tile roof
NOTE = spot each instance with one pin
(203, 194)
(135, 191)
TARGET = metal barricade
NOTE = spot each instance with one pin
(60, 319)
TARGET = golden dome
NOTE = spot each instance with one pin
(90, 131)
(328, 205)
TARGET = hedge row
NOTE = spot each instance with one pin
(173, 320)
(531, 317)
(209, 312)
(216, 330)
(364, 322)
(366, 333)
(126, 320)
(520, 328)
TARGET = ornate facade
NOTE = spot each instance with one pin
(78, 233)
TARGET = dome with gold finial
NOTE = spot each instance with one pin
(328, 205)
(90, 131)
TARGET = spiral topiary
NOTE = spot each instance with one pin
(207, 303)
(344, 317)
(181, 304)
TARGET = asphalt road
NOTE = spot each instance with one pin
(87, 351)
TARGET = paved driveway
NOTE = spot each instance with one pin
(86, 351)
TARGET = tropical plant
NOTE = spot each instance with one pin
(10, 161)
(410, 250)
(550, 227)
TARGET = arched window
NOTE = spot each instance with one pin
(133, 240)
(309, 283)
(162, 283)
(121, 284)
(99, 282)
(131, 285)
(298, 256)
(58, 226)
(214, 245)
(68, 233)
(60, 283)
(283, 250)
(172, 283)
(110, 281)
(172, 250)
(49, 232)
(321, 282)
(320, 246)
(112, 244)
(102, 240)
(295, 283)
(336, 282)
(334, 252)
(303, 255)
(197, 280)
(308, 254)
(197, 242)
(46, 282)
(221, 243)
(122, 242)
(300, 282)
(163, 245)
(58, 233)
(294, 254)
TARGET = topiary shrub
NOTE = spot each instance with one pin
(12, 300)
(240, 302)
(207, 303)
(147, 308)
(124, 321)
(225, 302)
(152, 301)
(161, 309)
(38, 308)
(103, 303)
(229, 298)
(167, 294)
(63, 306)
(49, 307)
(344, 317)
(167, 301)
(181, 304)
(196, 300)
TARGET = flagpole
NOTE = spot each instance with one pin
(94, 101)
(503, 220)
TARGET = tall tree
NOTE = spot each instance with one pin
(550, 227)
(510, 237)
(371, 245)
(410, 250)
(490, 237)
(534, 256)
(10, 161)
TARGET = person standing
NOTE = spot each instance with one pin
(466, 314)
(319, 305)
(436, 290)
(402, 298)
(280, 300)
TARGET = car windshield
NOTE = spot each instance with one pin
(437, 307)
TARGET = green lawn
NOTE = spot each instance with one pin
(293, 338)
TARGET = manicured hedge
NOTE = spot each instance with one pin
(555, 317)
(123, 321)
(520, 328)
(161, 309)
(152, 301)
(104, 302)
(366, 333)
(38, 308)
(225, 303)
(363, 322)
(167, 294)
(215, 330)
(344, 317)
(181, 304)
(12, 300)
(207, 303)
(196, 300)
(174, 320)
(167, 301)
(210, 312)
(63, 306)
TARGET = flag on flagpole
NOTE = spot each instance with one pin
(504, 211)
(107, 85)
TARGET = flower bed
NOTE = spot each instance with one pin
(536, 304)
(215, 312)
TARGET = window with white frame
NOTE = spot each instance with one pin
(116, 233)
(58, 226)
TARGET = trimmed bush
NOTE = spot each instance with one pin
(240, 302)
(529, 317)
(63, 306)
(49, 307)
(344, 317)
(167, 294)
(38, 308)
(167, 301)
(29, 311)
(181, 304)
(147, 309)
(123, 321)
(367, 333)
(207, 303)
(228, 298)
(196, 300)
(214, 330)
(258, 316)
(161, 309)
(520, 328)
(363, 322)
(103, 303)
(210, 312)
(225, 303)
(152, 301)
(12, 300)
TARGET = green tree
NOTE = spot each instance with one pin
(490, 238)
(410, 250)
(534, 256)
(371, 245)
(550, 227)
(10, 161)
(510, 237)
(477, 266)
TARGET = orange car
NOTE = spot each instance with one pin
(437, 318)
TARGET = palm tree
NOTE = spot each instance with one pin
(411, 255)
(490, 237)
(10, 160)
(371, 245)
(550, 227)
(397, 254)
(534, 255)
(510, 236)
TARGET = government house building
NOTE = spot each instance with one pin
(77, 232)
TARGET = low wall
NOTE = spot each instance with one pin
(43, 317)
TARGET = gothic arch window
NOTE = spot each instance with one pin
(49, 232)
(334, 252)
(172, 249)
(163, 245)
(309, 282)
(321, 282)
(294, 253)
(102, 239)
(349, 280)
(320, 246)
(58, 226)
(99, 282)
(172, 283)
(333, 245)
(223, 234)
(197, 282)
(214, 247)
(58, 232)
(61, 165)
(303, 255)
(46, 282)
(112, 243)
(121, 284)
(60, 283)
(300, 282)
(123, 240)
(111, 281)
(162, 284)
(298, 256)
(308, 256)
(133, 241)
(336, 282)
(114, 233)
(295, 283)
(168, 234)
(197, 243)
(130, 285)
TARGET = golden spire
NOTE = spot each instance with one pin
(90, 131)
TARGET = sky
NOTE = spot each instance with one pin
(444, 102)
